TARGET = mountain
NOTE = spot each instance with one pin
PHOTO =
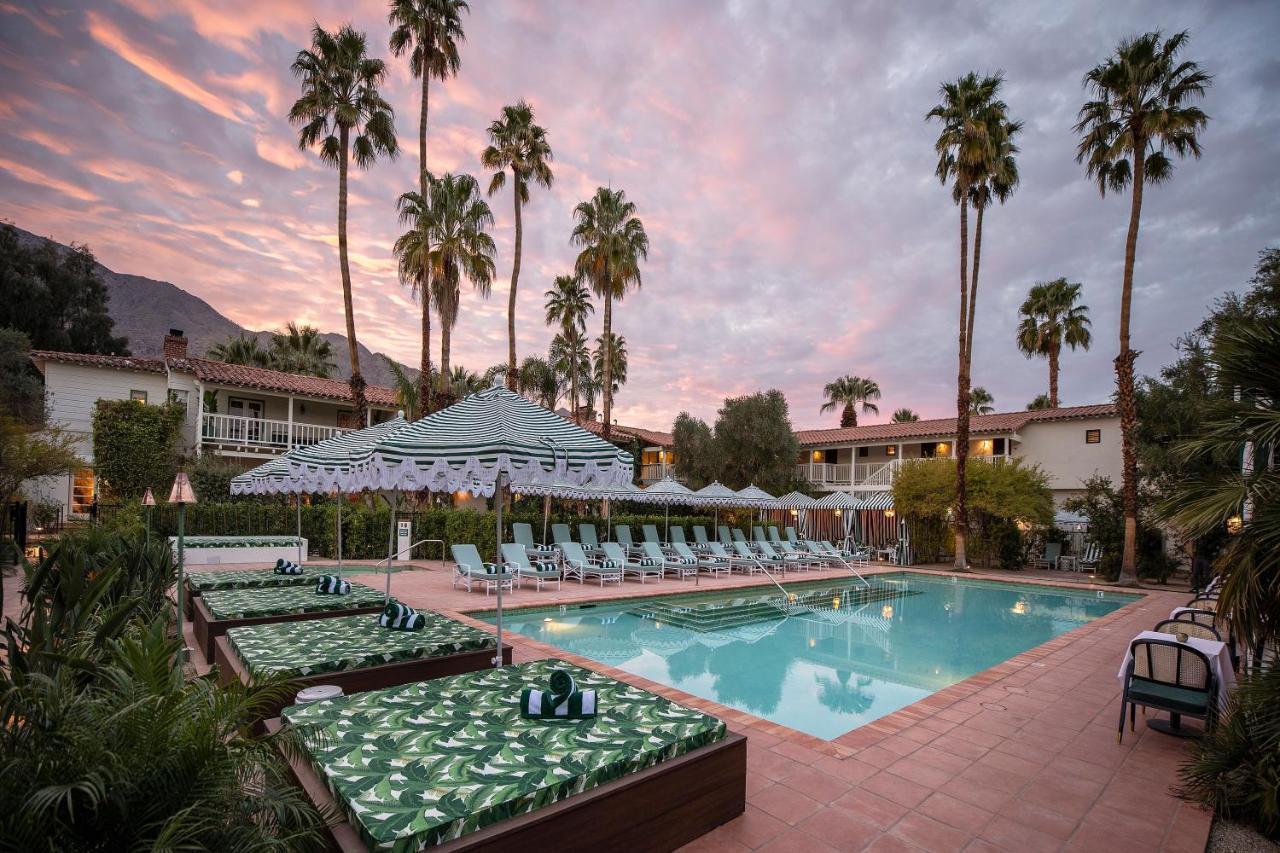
(145, 310)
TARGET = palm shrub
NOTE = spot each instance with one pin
(1235, 768)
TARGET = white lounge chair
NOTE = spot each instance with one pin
(673, 564)
(469, 569)
(541, 572)
(705, 562)
(641, 567)
(578, 564)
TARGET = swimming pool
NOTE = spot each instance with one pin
(843, 657)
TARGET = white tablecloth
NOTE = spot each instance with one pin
(1173, 614)
(1219, 660)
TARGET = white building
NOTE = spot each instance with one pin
(247, 413)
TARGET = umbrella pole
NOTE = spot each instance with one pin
(299, 528)
(546, 515)
(497, 506)
(391, 541)
(339, 532)
(666, 522)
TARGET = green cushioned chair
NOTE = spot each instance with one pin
(1168, 676)
(515, 559)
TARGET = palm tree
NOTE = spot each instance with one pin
(1051, 318)
(243, 349)
(568, 304)
(904, 416)
(538, 380)
(1142, 108)
(1040, 402)
(342, 113)
(571, 358)
(975, 152)
(457, 220)
(980, 401)
(516, 143)
(406, 389)
(610, 363)
(301, 350)
(851, 392)
(462, 382)
(613, 242)
(413, 261)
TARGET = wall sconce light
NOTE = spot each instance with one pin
(838, 513)
(795, 513)
(1235, 524)
(889, 513)
(817, 456)
(891, 450)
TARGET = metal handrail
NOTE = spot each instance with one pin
(390, 557)
(847, 565)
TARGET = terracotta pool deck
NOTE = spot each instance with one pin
(1020, 757)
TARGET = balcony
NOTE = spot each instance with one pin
(859, 475)
(233, 435)
(658, 471)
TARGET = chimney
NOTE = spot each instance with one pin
(175, 345)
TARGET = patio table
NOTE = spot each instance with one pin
(1217, 653)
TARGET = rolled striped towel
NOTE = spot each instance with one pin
(610, 564)
(401, 617)
(287, 567)
(648, 561)
(564, 701)
(688, 561)
(332, 585)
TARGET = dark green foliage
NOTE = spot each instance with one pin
(55, 297)
(135, 447)
(211, 476)
(752, 443)
(1104, 508)
(1235, 769)
(697, 456)
(21, 391)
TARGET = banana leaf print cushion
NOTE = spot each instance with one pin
(243, 579)
(348, 642)
(247, 603)
(420, 764)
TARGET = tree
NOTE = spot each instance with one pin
(568, 304)
(698, 460)
(28, 451)
(1040, 402)
(462, 382)
(1142, 108)
(413, 263)
(975, 152)
(21, 391)
(571, 358)
(241, 349)
(456, 222)
(301, 350)
(850, 392)
(613, 242)
(406, 389)
(539, 381)
(516, 143)
(755, 442)
(342, 112)
(135, 447)
(1051, 318)
(904, 416)
(55, 297)
(981, 402)
(610, 361)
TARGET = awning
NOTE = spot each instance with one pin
(796, 500)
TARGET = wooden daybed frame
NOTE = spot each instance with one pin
(654, 810)
(209, 628)
(231, 667)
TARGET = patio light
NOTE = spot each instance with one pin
(181, 494)
(1235, 524)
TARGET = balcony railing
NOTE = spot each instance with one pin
(261, 435)
(661, 470)
(863, 475)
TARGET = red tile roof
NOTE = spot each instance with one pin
(978, 424)
(221, 373)
(648, 436)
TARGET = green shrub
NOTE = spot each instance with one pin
(1104, 508)
(135, 447)
(1235, 769)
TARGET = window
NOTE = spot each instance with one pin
(140, 396)
(864, 452)
(83, 489)
(178, 397)
(999, 446)
(891, 450)
(1093, 436)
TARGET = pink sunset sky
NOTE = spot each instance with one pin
(777, 152)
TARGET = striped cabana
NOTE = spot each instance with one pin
(797, 503)
(845, 506)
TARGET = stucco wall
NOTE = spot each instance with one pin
(1059, 448)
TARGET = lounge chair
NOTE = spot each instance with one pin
(469, 569)
(722, 534)
(578, 564)
(1048, 558)
(792, 560)
(700, 540)
(744, 553)
(1168, 676)
(791, 536)
(674, 564)
(650, 532)
(588, 538)
(1091, 559)
(705, 562)
(622, 536)
(560, 534)
(540, 572)
(1191, 629)
(677, 535)
(786, 549)
(860, 555)
(739, 536)
(746, 564)
(522, 534)
(757, 534)
(774, 538)
(641, 567)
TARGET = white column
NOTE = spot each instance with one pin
(290, 444)
(199, 418)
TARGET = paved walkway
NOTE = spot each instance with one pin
(1021, 757)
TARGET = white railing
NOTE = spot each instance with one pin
(658, 471)
(262, 434)
(861, 475)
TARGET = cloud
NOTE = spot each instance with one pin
(42, 179)
(279, 152)
(251, 202)
(235, 176)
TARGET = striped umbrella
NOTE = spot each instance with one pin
(328, 465)
(756, 497)
(717, 495)
(667, 492)
(272, 478)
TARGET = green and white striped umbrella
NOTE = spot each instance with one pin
(269, 478)
(717, 495)
(466, 446)
(328, 465)
(669, 491)
(754, 496)
(796, 500)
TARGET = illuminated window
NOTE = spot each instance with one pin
(942, 449)
(140, 396)
(891, 450)
(1093, 436)
(83, 489)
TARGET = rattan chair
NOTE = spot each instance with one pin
(1202, 617)
(1204, 602)
(1191, 629)
(1168, 676)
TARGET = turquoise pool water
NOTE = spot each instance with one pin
(842, 658)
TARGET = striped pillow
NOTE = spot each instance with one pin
(688, 561)
(332, 585)
(610, 564)
(401, 617)
(544, 566)
(287, 567)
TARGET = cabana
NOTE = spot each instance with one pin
(799, 505)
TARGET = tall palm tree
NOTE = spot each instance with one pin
(613, 242)
(243, 349)
(980, 401)
(610, 367)
(342, 112)
(433, 29)
(1040, 402)
(457, 222)
(904, 416)
(406, 389)
(1142, 109)
(975, 153)
(413, 262)
(851, 392)
(571, 357)
(301, 350)
(1051, 318)
(568, 304)
(516, 143)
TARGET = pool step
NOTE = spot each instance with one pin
(719, 616)
(710, 618)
